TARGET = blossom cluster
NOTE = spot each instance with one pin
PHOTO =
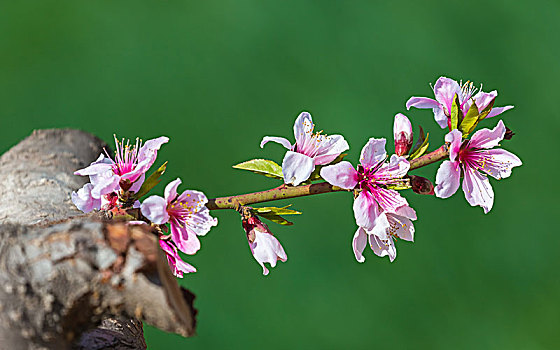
(382, 215)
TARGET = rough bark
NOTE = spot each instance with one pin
(70, 280)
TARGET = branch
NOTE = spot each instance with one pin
(285, 192)
(59, 281)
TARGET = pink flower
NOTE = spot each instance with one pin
(186, 213)
(129, 167)
(371, 177)
(264, 246)
(476, 158)
(388, 227)
(177, 265)
(445, 90)
(310, 149)
(402, 132)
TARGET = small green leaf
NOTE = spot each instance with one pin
(470, 121)
(419, 142)
(150, 182)
(277, 211)
(456, 113)
(422, 149)
(263, 167)
(276, 218)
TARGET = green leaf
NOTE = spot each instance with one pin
(399, 187)
(470, 121)
(422, 149)
(263, 167)
(456, 113)
(276, 218)
(150, 182)
(277, 211)
(419, 142)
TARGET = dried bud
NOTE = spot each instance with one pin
(421, 185)
(402, 132)
(509, 134)
(125, 184)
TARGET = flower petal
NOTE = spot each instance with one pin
(441, 118)
(455, 138)
(284, 142)
(330, 148)
(104, 185)
(101, 165)
(478, 190)
(422, 102)
(448, 179)
(155, 209)
(342, 175)
(359, 243)
(366, 210)
(498, 110)
(402, 124)
(266, 249)
(373, 152)
(296, 168)
(185, 239)
(84, 200)
(486, 138)
(499, 163)
(396, 168)
(483, 99)
(150, 148)
(170, 191)
(383, 248)
(445, 90)
(402, 227)
(138, 183)
(303, 128)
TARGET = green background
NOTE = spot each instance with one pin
(217, 76)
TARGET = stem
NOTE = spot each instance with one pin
(285, 191)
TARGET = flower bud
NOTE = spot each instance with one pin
(421, 185)
(264, 246)
(508, 134)
(402, 132)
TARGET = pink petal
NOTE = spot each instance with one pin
(407, 212)
(296, 168)
(359, 243)
(138, 183)
(170, 191)
(185, 239)
(402, 227)
(445, 90)
(486, 138)
(284, 142)
(498, 110)
(150, 148)
(84, 200)
(499, 163)
(402, 125)
(448, 179)
(330, 148)
(381, 226)
(440, 117)
(483, 99)
(267, 249)
(104, 185)
(478, 190)
(99, 166)
(373, 152)
(422, 102)
(389, 200)
(342, 175)
(383, 248)
(455, 138)
(396, 168)
(366, 210)
(303, 128)
(155, 209)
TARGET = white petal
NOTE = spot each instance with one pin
(296, 168)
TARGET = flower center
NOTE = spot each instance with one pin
(126, 156)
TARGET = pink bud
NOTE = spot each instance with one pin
(402, 132)
(421, 185)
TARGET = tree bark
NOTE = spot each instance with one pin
(69, 280)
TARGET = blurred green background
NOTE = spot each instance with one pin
(217, 76)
